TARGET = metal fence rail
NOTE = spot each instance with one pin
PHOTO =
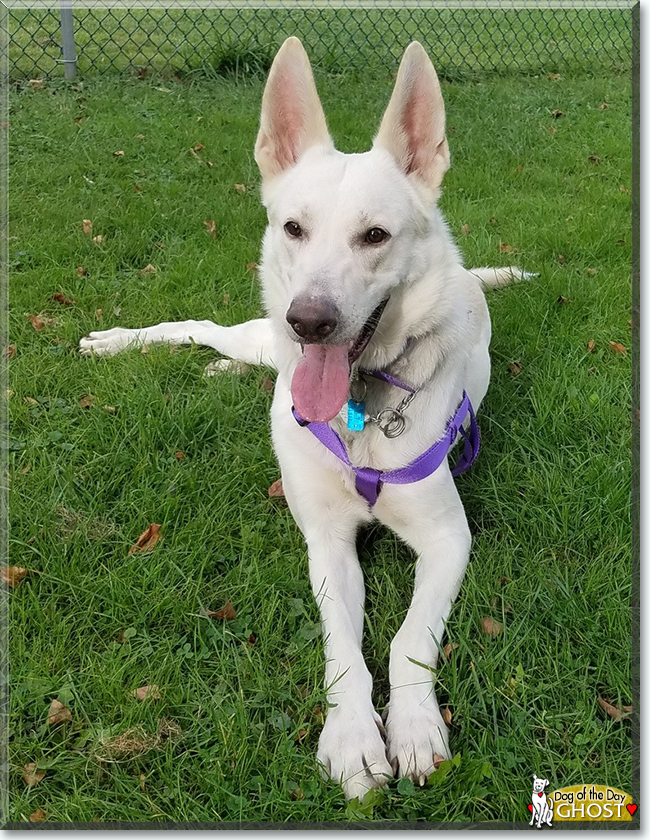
(241, 39)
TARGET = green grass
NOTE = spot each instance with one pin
(548, 501)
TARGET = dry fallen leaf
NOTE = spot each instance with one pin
(36, 84)
(99, 239)
(591, 345)
(449, 647)
(58, 713)
(198, 147)
(617, 347)
(240, 188)
(623, 188)
(148, 269)
(493, 220)
(147, 539)
(87, 400)
(506, 249)
(88, 227)
(118, 154)
(211, 227)
(557, 113)
(252, 639)
(594, 159)
(503, 580)
(515, 367)
(603, 106)
(447, 715)
(9, 352)
(31, 775)
(561, 299)
(38, 815)
(251, 266)
(147, 692)
(554, 77)
(267, 384)
(614, 711)
(297, 794)
(59, 297)
(98, 314)
(490, 627)
(81, 271)
(140, 136)
(12, 575)
(464, 229)
(179, 455)
(226, 613)
(276, 491)
(591, 271)
(110, 409)
(437, 760)
(561, 259)
(36, 322)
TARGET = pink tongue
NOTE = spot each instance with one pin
(320, 383)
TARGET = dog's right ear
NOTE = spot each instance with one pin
(292, 116)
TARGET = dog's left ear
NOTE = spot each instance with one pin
(413, 127)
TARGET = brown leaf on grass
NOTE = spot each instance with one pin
(147, 539)
(561, 259)
(494, 221)
(38, 815)
(88, 227)
(613, 711)
(58, 713)
(297, 794)
(36, 322)
(515, 367)
(267, 384)
(110, 409)
(591, 272)
(449, 647)
(179, 455)
(556, 113)
(9, 352)
(276, 490)
(437, 760)
(562, 300)
(554, 77)
(507, 249)
(146, 692)
(59, 297)
(87, 400)
(617, 347)
(140, 136)
(603, 106)
(198, 147)
(594, 159)
(251, 266)
(464, 229)
(503, 580)
(36, 84)
(148, 269)
(447, 715)
(490, 627)
(119, 153)
(211, 227)
(591, 345)
(81, 271)
(623, 188)
(241, 188)
(252, 639)
(99, 239)
(226, 613)
(12, 575)
(142, 72)
(31, 775)
(98, 314)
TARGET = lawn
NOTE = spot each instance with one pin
(541, 176)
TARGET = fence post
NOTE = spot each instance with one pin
(67, 40)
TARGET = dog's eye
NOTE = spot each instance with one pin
(293, 229)
(376, 235)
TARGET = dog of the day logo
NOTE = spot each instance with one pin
(579, 803)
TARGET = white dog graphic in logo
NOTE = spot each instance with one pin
(542, 809)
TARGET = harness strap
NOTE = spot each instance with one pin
(369, 481)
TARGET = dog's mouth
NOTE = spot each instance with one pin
(321, 381)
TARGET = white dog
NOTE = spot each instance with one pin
(359, 273)
(542, 805)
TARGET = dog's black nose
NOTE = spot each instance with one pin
(313, 318)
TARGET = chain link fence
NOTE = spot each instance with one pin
(241, 38)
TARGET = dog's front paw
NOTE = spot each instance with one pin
(352, 751)
(107, 342)
(417, 739)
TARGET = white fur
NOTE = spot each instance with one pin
(437, 304)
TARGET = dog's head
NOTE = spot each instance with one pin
(343, 229)
(539, 785)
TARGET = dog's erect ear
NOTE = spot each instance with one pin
(292, 117)
(545, 783)
(413, 127)
(534, 777)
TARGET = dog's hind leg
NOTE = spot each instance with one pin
(250, 342)
(432, 521)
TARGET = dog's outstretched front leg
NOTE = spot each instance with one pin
(251, 342)
(432, 521)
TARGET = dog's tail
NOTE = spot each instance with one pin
(494, 278)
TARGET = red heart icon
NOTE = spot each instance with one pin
(530, 808)
(540, 794)
(632, 808)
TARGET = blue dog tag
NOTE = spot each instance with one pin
(356, 416)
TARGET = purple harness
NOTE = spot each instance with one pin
(369, 481)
